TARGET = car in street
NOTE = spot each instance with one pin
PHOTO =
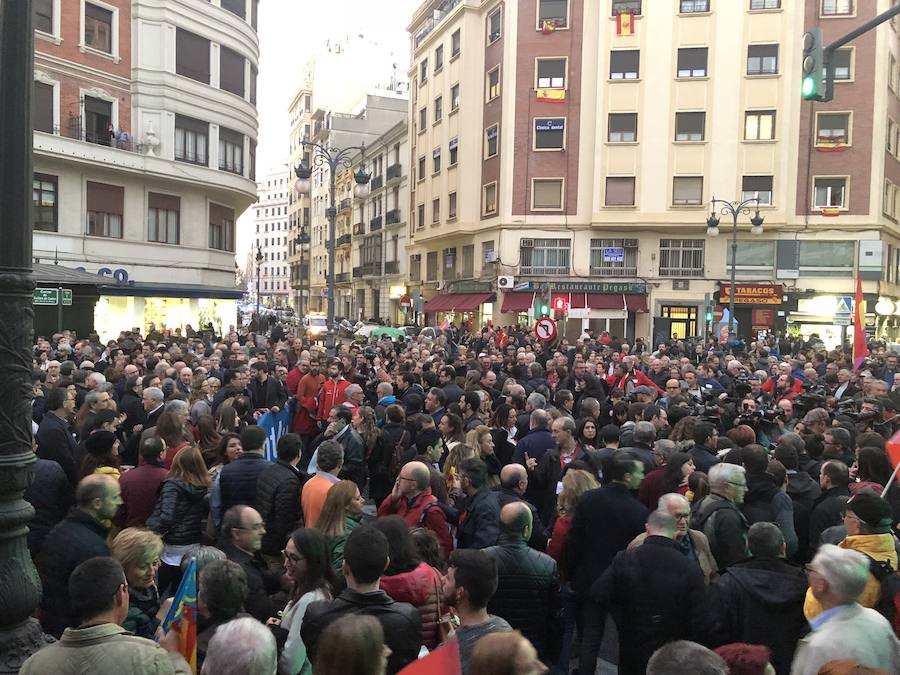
(315, 326)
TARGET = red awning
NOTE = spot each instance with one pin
(578, 300)
(517, 302)
(603, 301)
(457, 302)
(636, 303)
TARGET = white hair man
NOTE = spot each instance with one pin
(719, 515)
(241, 646)
(844, 630)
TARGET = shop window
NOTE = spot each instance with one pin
(541, 257)
(690, 126)
(623, 127)
(830, 193)
(681, 257)
(687, 190)
(98, 28)
(44, 204)
(692, 62)
(624, 64)
(163, 215)
(757, 186)
(231, 71)
(192, 56)
(762, 60)
(105, 206)
(614, 257)
(826, 258)
(547, 194)
(759, 125)
(754, 256)
(619, 191)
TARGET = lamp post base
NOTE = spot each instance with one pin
(330, 343)
(20, 642)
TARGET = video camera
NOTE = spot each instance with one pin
(813, 396)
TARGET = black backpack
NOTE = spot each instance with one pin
(888, 604)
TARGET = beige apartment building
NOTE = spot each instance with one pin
(300, 112)
(551, 146)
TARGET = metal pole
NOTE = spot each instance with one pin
(59, 310)
(258, 258)
(867, 26)
(20, 588)
(332, 217)
(731, 335)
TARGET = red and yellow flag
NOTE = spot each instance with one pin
(551, 95)
(860, 347)
(625, 23)
(182, 617)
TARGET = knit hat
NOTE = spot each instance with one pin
(100, 441)
(872, 510)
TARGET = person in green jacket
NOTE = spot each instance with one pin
(340, 515)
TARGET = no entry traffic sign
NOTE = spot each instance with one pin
(545, 329)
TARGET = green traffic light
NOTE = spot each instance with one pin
(809, 86)
(709, 316)
(545, 310)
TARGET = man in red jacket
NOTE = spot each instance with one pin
(412, 500)
(332, 392)
(304, 383)
(630, 377)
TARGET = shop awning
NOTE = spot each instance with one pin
(151, 289)
(578, 300)
(603, 301)
(517, 302)
(636, 303)
(457, 302)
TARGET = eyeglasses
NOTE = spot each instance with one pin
(682, 516)
(253, 528)
(292, 557)
(739, 485)
(411, 480)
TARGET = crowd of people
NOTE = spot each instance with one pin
(529, 508)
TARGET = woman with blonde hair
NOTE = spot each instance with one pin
(457, 455)
(179, 511)
(508, 653)
(482, 440)
(340, 515)
(138, 550)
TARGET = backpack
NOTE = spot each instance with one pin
(397, 455)
(888, 604)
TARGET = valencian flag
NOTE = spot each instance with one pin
(182, 616)
(860, 348)
(625, 23)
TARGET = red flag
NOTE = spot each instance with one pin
(443, 660)
(625, 23)
(860, 348)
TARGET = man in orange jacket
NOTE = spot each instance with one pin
(304, 383)
(333, 390)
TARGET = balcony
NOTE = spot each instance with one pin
(377, 182)
(76, 129)
(392, 267)
(346, 204)
(342, 278)
(441, 10)
(394, 171)
(375, 224)
(392, 217)
(343, 240)
(369, 269)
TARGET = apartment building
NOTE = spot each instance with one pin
(145, 132)
(300, 112)
(272, 239)
(555, 145)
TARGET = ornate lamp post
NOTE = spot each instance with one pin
(335, 159)
(712, 230)
(259, 261)
(301, 241)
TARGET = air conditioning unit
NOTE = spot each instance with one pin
(506, 283)
(681, 285)
(526, 243)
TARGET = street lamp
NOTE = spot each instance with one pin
(712, 230)
(259, 261)
(300, 243)
(334, 159)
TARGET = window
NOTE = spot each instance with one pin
(423, 71)
(420, 215)
(415, 267)
(191, 140)
(488, 255)
(436, 160)
(453, 147)
(551, 73)
(762, 60)
(431, 266)
(623, 127)
(421, 168)
(97, 120)
(687, 190)
(438, 108)
(692, 62)
(105, 206)
(614, 257)
(832, 129)
(680, 257)
(435, 211)
(42, 107)
(757, 186)
(43, 16)
(494, 26)
(231, 71)
(231, 151)
(98, 27)
(253, 75)
(547, 194)
(544, 256)
(620, 191)
(238, 7)
(451, 206)
(837, 7)
(690, 126)
(620, 6)
(830, 193)
(489, 199)
(423, 119)
(549, 133)
(192, 56)
(454, 98)
(765, 4)
(455, 42)
(490, 141)
(759, 125)
(162, 218)
(693, 6)
(221, 228)
(553, 12)
(43, 202)
(843, 63)
(493, 83)
(827, 258)
(468, 261)
(754, 255)
(624, 64)
(438, 58)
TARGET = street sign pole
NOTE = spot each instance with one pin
(59, 306)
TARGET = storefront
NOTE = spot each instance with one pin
(471, 310)
(829, 317)
(758, 308)
(681, 324)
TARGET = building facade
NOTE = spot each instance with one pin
(144, 151)
(272, 237)
(300, 112)
(556, 146)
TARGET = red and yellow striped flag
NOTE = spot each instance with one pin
(625, 23)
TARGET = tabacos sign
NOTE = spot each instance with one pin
(751, 294)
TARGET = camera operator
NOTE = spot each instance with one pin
(890, 417)
(871, 417)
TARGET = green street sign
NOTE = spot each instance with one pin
(45, 296)
(67, 296)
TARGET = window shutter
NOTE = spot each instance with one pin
(105, 198)
(164, 202)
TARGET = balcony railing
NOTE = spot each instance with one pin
(376, 183)
(346, 203)
(394, 171)
(342, 277)
(343, 240)
(369, 269)
(375, 224)
(442, 10)
(392, 267)
(120, 140)
(392, 217)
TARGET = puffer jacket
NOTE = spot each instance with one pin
(420, 587)
(178, 514)
(527, 592)
(278, 502)
(725, 527)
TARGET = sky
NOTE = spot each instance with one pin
(289, 32)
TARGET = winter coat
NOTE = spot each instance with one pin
(725, 527)
(293, 659)
(704, 458)
(695, 547)
(278, 502)
(421, 511)
(803, 491)
(828, 511)
(178, 514)
(55, 441)
(51, 495)
(337, 542)
(304, 389)
(760, 601)
(478, 521)
(143, 604)
(261, 583)
(539, 536)
(421, 588)
(381, 480)
(268, 394)
(765, 503)
(354, 468)
(527, 593)
(656, 596)
(237, 480)
(140, 489)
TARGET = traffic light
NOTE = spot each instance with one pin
(541, 305)
(815, 80)
(709, 314)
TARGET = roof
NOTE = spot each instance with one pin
(58, 274)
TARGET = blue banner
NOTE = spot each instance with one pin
(276, 426)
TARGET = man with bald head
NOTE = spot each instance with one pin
(528, 582)
(512, 488)
(413, 500)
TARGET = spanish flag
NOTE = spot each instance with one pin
(625, 23)
(860, 348)
(551, 95)
(182, 617)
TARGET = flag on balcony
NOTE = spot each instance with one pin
(548, 27)
(625, 23)
(551, 95)
(860, 348)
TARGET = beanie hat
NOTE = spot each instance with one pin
(100, 442)
(872, 510)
